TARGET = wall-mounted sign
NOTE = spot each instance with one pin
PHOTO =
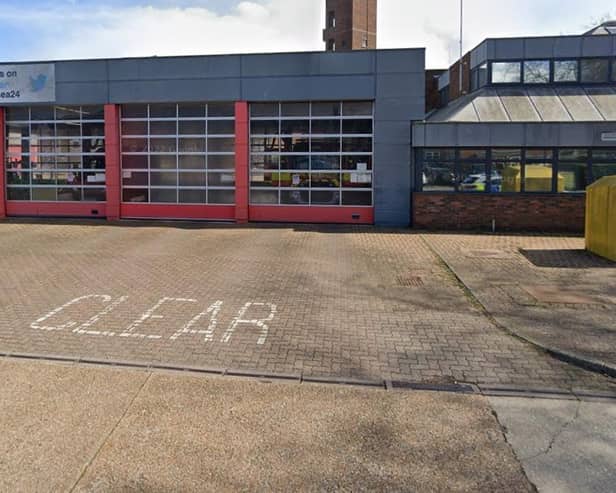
(29, 83)
(608, 137)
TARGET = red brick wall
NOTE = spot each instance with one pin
(523, 212)
(433, 97)
(354, 20)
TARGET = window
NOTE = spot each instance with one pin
(513, 170)
(331, 19)
(538, 170)
(311, 153)
(55, 154)
(595, 70)
(572, 170)
(506, 72)
(566, 71)
(537, 72)
(438, 173)
(603, 163)
(479, 76)
(331, 45)
(364, 41)
(506, 175)
(472, 170)
(179, 154)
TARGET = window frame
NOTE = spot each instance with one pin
(588, 163)
(47, 161)
(176, 154)
(340, 136)
(611, 75)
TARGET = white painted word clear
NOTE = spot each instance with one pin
(196, 326)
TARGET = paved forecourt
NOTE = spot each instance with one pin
(344, 302)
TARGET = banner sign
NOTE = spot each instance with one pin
(608, 136)
(28, 83)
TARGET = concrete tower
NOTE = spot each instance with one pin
(350, 25)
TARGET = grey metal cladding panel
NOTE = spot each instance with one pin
(578, 104)
(175, 68)
(392, 61)
(404, 109)
(518, 105)
(418, 138)
(542, 135)
(508, 134)
(567, 47)
(598, 130)
(479, 54)
(489, 107)
(400, 85)
(604, 99)
(392, 193)
(441, 135)
(391, 155)
(357, 62)
(394, 217)
(576, 134)
(597, 46)
(308, 88)
(549, 105)
(82, 93)
(539, 48)
(473, 134)
(508, 48)
(392, 132)
(127, 69)
(174, 90)
(81, 71)
(277, 65)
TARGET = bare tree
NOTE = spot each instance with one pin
(597, 21)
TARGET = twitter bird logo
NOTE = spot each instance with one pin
(38, 84)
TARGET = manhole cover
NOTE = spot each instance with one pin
(410, 281)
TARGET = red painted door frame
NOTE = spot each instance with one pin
(241, 162)
(113, 172)
(2, 164)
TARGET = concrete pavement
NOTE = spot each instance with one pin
(565, 446)
(95, 429)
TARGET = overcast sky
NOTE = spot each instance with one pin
(60, 29)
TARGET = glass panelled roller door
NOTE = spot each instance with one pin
(55, 154)
(311, 154)
(178, 153)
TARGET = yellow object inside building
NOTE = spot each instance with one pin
(601, 217)
(537, 178)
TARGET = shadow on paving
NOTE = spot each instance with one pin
(566, 259)
(99, 430)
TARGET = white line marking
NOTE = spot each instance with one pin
(213, 309)
(260, 322)
(67, 325)
(129, 331)
(83, 328)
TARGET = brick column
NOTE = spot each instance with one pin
(241, 162)
(2, 165)
(112, 161)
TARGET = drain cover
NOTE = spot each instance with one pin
(410, 281)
